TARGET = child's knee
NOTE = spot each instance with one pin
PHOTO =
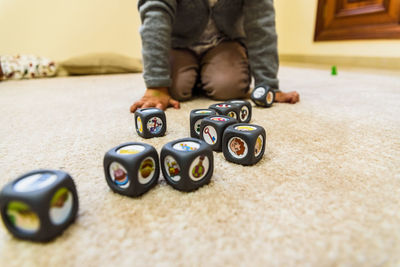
(226, 87)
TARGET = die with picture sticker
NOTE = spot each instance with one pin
(263, 96)
(39, 205)
(244, 143)
(212, 129)
(245, 109)
(131, 169)
(226, 109)
(187, 163)
(150, 122)
(196, 117)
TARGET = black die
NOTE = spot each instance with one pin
(39, 205)
(131, 169)
(263, 96)
(150, 122)
(187, 163)
(245, 109)
(244, 143)
(196, 117)
(226, 109)
(212, 129)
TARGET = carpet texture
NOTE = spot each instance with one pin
(326, 193)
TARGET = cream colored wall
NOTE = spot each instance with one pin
(63, 28)
(295, 26)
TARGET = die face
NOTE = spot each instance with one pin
(263, 96)
(39, 205)
(132, 168)
(245, 109)
(150, 122)
(196, 117)
(226, 109)
(244, 144)
(187, 164)
(212, 129)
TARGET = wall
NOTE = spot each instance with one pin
(295, 26)
(63, 28)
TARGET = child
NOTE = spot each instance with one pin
(219, 43)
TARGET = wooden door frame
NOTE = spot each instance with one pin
(335, 24)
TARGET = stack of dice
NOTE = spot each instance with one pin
(225, 127)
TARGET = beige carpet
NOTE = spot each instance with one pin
(325, 194)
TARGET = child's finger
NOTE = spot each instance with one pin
(160, 106)
(175, 104)
(135, 106)
(148, 104)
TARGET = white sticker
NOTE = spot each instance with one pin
(245, 128)
(139, 124)
(259, 145)
(237, 147)
(186, 146)
(232, 114)
(197, 125)
(130, 150)
(204, 111)
(244, 113)
(146, 170)
(223, 105)
(172, 168)
(210, 135)
(259, 92)
(199, 168)
(270, 97)
(61, 206)
(149, 110)
(119, 175)
(237, 101)
(35, 182)
(154, 125)
(222, 119)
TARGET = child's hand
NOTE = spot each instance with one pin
(290, 97)
(155, 97)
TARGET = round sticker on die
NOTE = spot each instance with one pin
(139, 124)
(244, 113)
(154, 125)
(259, 145)
(203, 111)
(35, 182)
(222, 119)
(259, 92)
(245, 128)
(119, 175)
(196, 126)
(61, 206)
(237, 147)
(232, 114)
(130, 150)
(149, 110)
(146, 170)
(22, 218)
(223, 105)
(210, 135)
(186, 146)
(270, 97)
(199, 168)
(172, 168)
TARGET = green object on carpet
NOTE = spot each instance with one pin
(334, 71)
